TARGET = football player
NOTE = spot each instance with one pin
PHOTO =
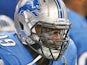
(43, 30)
(30, 15)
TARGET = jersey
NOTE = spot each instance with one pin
(14, 53)
(79, 35)
(69, 57)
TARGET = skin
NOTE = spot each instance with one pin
(54, 36)
(42, 61)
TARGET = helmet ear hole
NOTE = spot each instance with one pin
(21, 25)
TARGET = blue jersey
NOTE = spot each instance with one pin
(70, 56)
(79, 35)
(14, 53)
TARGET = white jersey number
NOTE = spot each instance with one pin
(6, 41)
(82, 59)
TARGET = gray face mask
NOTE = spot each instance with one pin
(50, 43)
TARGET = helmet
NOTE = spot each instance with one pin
(6, 24)
(44, 26)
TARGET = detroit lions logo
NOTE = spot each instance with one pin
(32, 6)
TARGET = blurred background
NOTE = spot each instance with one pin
(7, 7)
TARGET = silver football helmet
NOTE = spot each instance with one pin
(44, 26)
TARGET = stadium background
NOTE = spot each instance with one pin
(7, 7)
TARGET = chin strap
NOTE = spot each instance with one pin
(39, 57)
(65, 61)
(35, 60)
(1, 62)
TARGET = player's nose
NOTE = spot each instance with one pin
(56, 37)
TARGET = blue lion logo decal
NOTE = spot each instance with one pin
(32, 6)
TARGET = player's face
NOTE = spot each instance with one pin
(50, 37)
